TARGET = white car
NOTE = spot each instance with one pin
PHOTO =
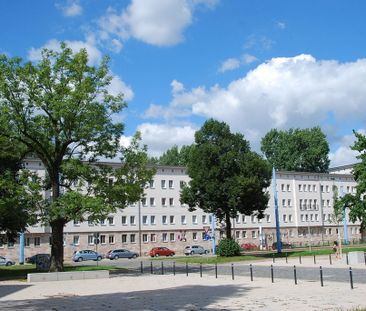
(195, 249)
(6, 261)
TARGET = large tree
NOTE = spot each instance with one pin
(356, 202)
(303, 150)
(175, 156)
(227, 178)
(61, 109)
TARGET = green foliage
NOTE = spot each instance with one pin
(356, 202)
(228, 248)
(174, 156)
(61, 110)
(227, 178)
(303, 150)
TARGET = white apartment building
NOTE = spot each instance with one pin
(305, 202)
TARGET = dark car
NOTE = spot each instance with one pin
(248, 246)
(33, 259)
(121, 253)
(161, 251)
(284, 245)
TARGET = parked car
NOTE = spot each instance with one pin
(161, 251)
(4, 261)
(121, 253)
(248, 246)
(86, 255)
(284, 245)
(33, 259)
(195, 249)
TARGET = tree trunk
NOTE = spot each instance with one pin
(228, 226)
(57, 246)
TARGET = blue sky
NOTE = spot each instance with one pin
(256, 65)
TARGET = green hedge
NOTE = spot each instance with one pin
(228, 248)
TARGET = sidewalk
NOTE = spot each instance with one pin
(168, 292)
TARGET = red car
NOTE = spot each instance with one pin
(161, 251)
(248, 246)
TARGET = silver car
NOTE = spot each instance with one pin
(195, 249)
(6, 261)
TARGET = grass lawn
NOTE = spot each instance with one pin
(21, 271)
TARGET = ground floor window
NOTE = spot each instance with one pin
(124, 238)
(111, 239)
(37, 241)
(132, 238)
(90, 239)
(76, 240)
(27, 242)
(145, 238)
(153, 237)
(102, 239)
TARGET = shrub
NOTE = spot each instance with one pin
(228, 248)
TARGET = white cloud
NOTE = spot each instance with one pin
(258, 42)
(283, 92)
(160, 137)
(177, 86)
(95, 55)
(160, 23)
(248, 59)
(73, 8)
(117, 86)
(229, 64)
(281, 25)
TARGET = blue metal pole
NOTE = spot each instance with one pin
(213, 238)
(278, 232)
(345, 225)
(21, 248)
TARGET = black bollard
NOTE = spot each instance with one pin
(351, 277)
(251, 272)
(330, 259)
(141, 267)
(286, 258)
(216, 270)
(151, 267)
(273, 258)
(300, 260)
(272, 279)
(321, 276)
(173, 267)
(162, 268)
(187, 268)
(295, 275)
(314, 260)
(200, 269)
(364, 255)
(232, 271)
(347, 259)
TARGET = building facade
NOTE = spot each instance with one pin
(305, 202)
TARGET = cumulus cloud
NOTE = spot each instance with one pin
(160, 23)
(160, 137)
(281, 93)
(234, 63)
(73, 8)
(118, 86)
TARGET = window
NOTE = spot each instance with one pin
(194, 219)
(163, 184)
(132, 220)
(309, 188)
(327, 188)
(194, 236)
(172, 237)
(153, 237)
(172, 220)
(102, 239)
(152, 220)
(171, 201)
(237, 234)
(145, 238)
(253, 219)
(289, 218)
(165, 237)
(300, 188)
(324, 215)
(102, 222)
(314, 188)
(143, 202)
(254, 234)
(302, 217)
(321, 188)
(76, 223)
(171, 185)
(111, 221)
(152, 184)
(268, 217)
(284, 218)
(132, 238)
(316, 217)
(75, 240)
(182, 184)
(328, 203)
(1, 244)
(306, 217)
(11, 244)
(37, 241)
(183, 219)
(90, 221)
(283, 202)
(289, 202)
(244, 218)
(204, 219)
(124, 238)
(282, 187)
(124, 220)
(163, 201)
(152, 201)
(244, 234)
(27, 242)
(145, 220)
(90, 239)
(288, 188)
(164, 220)
(304, 188)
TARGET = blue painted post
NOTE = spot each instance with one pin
(345, 225)
(278, 232)
(213, 238)
(21, 248)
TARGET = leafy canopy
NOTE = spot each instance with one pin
(227, 178)
(174, 156)
(303, 150)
